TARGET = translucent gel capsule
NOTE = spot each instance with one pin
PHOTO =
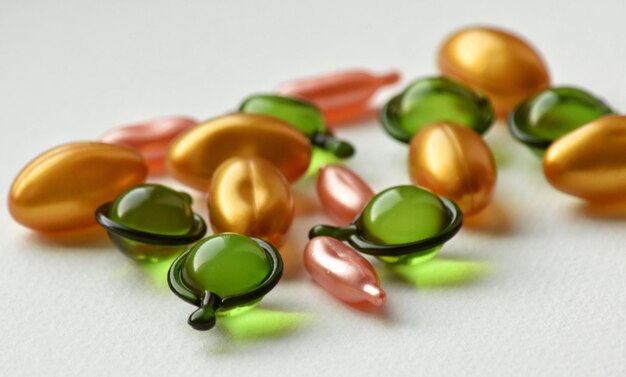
(434, 99)
(402, 224)
(251, 197)
(342, 96)
(342, 193)
(193, 157)
(224, 273)
(343, 272)
(151, 138)
(301, 114)
(552, 113)
(453, 161)
(151, 222)
(494, 62)
(590, 162)
(61, 189)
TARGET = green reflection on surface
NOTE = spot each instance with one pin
(157, 272)
(439, 273)
(262, 323)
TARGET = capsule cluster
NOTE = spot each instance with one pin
(245, 163)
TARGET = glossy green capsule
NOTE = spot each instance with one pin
(435, 99)
(151, 222)
(552, 113)
(402, 224)
(303, 115)
(224, 273)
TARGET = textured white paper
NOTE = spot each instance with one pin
(553, 299)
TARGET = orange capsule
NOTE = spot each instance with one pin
(61, 189)
(341, 96)
(453, 161)
(193, 157)
(495, 62)
(151, 138)
(590, 162)
(343, 272)
(342, 192)
(250, 196)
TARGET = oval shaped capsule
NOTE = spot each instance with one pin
(343, 272)
(590, 162)
(453, 161)
(194, 157)
(151, 138)
(342, 192)
(342, 96)
(61, 189)
(495, 62)
(251, 197)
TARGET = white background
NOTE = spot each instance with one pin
(553, 299)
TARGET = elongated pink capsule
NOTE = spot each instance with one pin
(343, 272)
(342, 192)
(152, 138)
(342, 96)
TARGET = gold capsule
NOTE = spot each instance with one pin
(453, 161)
(590, 162)
(194, 156)
(500, 65)
(252, 197)
(61, 189)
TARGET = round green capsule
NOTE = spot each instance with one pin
(552, 113)
(403, 224)
(224, 274)
(301, 114)
(151, 222)
(435, 99)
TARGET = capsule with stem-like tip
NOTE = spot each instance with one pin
(343, 272)
(342, 96)
(342, 192)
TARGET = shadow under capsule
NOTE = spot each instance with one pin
(602, 211)
(263, 324)
(93, 237)
(493, 220)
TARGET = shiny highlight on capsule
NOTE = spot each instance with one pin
(342, 272)
(590, 162)
(342, 193)
(453, 161)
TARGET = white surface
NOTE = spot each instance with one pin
(553, 304)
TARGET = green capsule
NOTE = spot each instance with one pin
(552, 113)
(151, 222)
(403, 224)
(435, 99)
(224, 273)
(303, 115)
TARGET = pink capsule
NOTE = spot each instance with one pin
(343, 96)
(342, 192)
(151, 138)
(343, 272)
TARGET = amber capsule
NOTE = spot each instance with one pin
(590, 162)
(342, 272)
(342, 192)
(495, 62)
(342, 96)
(151, 138)
(61, 189)
(194, 157)
(453, 161)
(250, 196)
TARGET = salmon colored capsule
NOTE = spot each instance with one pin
(453, 161)
(590, 162)
(193, 157)
(151, 138)
(250, 196)
(495, 62)
(342, 96)
(343, 272)
(342, 192)
(61, 189)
